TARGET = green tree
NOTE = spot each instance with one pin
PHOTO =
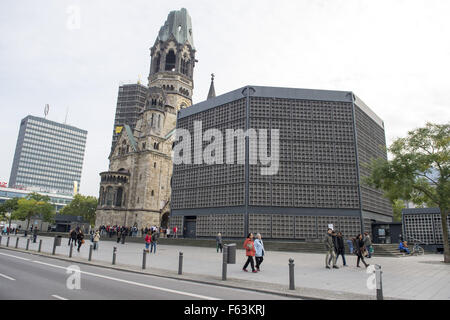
(29, 208)
(84, 206)
(9, 205)
(397, 206)
(419, 171)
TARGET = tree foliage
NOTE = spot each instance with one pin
(84, 206)
(30, 208)
(419, 171)
(397, 206)
(9, 205)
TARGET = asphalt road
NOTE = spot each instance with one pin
(31, 277)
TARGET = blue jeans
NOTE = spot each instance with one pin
(153, 245)
(369, 255)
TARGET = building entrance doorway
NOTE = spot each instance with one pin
(190, 227)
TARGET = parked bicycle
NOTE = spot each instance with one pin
(417, 250)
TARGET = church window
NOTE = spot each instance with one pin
(157, 62)
(153, 193)
(119, 195)
(170, 61)
(154, 165)
(143, 146)
(109, 196)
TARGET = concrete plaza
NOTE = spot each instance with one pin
(424, 277)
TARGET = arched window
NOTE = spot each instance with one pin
(119, 195)
(157, 62)
(170, 61)
(109, 196)
(101, 200)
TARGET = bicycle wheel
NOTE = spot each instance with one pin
(420, 251)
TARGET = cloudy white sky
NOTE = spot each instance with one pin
(394, 54)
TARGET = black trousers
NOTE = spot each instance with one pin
(360, 258)
(259, 260)
(252, 263)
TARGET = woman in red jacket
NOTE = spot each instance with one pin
(249, 252)
(148, 239)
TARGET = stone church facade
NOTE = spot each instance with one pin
(135, 191)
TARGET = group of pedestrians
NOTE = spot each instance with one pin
(76, 236)
(151, 240)
(253, 248)
(361, 246)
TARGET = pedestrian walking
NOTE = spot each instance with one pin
(168, 233)
(249, 252)
(175, 229)
(148, 240)
(80, 239)
(340, 248)
(329, 246)
(368, 244)
(335, 246)
(350, 245)
(359, 250)
(35, 234)
(72, 236)
(219, 242)
(119, 234)
(259, 251)
(96, 239)
(154, 241)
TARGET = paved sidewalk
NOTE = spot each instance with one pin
(423, 277)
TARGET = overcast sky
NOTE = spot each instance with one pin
(395, 55)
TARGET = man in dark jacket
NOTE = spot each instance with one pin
(329, 246)
(35, 233)
(155, 237)
(340, 248)
(73, 236)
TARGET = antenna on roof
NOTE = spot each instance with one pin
(46, 109)
(67, 112)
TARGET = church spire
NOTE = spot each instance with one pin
(212, 92)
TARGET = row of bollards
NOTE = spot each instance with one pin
(226, 260)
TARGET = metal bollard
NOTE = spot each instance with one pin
(7, 242)
(40, 245)
(90, 252)
(28, 244)
(71, 249)
(54, 246)
(144, 258)
(224, 262)
(17, 242)
(1, 240)
(378, 280)
(180, 263)
(114, 255)
(291, 274)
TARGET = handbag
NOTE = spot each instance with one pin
(82, 241)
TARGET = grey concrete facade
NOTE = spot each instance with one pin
(325, 136)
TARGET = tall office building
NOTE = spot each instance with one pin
(49, 156)
(325, 138)
(130, 103)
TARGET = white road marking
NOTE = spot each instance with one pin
(10, 255)
(133, 283)
(9, 278)
(58, 297)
